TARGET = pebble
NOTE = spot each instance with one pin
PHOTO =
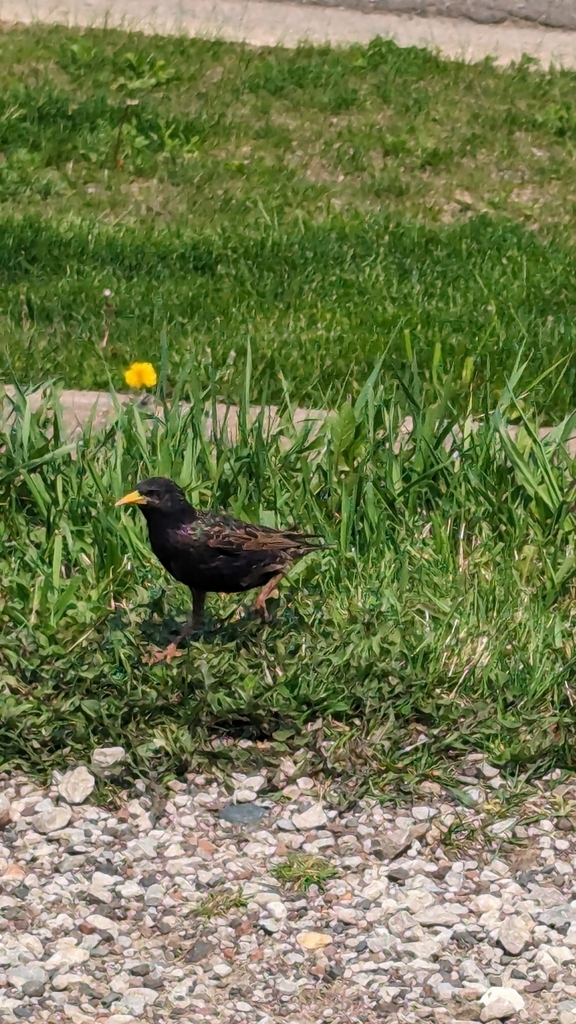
(243, 814)
(313, 940)
(514, 935)
(24, 974)
(53, 819)
(76, 786)
(4, 810)
(501, 828)
(313, 817)
(105, 758)
(200, 911)
(500, 1003)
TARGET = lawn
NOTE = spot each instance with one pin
(441, 619)
(190, 196)
(376, 230)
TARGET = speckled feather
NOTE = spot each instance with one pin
(214, 552)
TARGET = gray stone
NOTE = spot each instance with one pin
(33, 988)
(77, 785)
(559, 917)
(24, 974)
(426, 949)
(242, 814)
(154, 895)
(198, 951)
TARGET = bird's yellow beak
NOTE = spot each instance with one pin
(134, 498)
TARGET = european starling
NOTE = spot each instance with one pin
(211, 552)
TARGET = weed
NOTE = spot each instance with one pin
(219, 903)
(300, 871)
(440, 621)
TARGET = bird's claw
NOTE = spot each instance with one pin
(261, 611)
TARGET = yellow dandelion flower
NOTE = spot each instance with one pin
(140, 375)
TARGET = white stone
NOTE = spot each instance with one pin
(130, 889)
(470, 971)
(561, 954)
(103, 924)
(4, 810)
(485, 903)
(52, 820)
(286, 986)
(104, 758)
(500, 1003)
(137, 999)
(245, 796)
(514, 935)
(63, 981)
(305, 783)
(67, 954)
(345, 914)
(312, 817)
(102, 880)
(76, 786)
(423, 813)
(222, 970)
(437, 915)
(277, 909)
(254, 782)
(500, 828)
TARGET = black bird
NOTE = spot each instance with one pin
(212, 552)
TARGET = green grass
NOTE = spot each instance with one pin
(442, 619)
(318, 204)
(300, 871)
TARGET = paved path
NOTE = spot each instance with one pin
(100, 409)
(553, 13)
(290, 23)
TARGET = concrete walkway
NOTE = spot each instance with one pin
(287, 24)
(100, 409)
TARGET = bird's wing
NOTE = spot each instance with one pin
(228, 535)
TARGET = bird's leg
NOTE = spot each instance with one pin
(260, 602)
(196, 622)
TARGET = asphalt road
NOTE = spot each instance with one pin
(552, 13)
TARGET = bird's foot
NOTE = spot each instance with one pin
(167, 655)
(261, 611)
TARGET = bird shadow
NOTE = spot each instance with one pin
(241, 626)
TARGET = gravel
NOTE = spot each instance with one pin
(161, 910)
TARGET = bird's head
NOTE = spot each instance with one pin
(157, 494)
